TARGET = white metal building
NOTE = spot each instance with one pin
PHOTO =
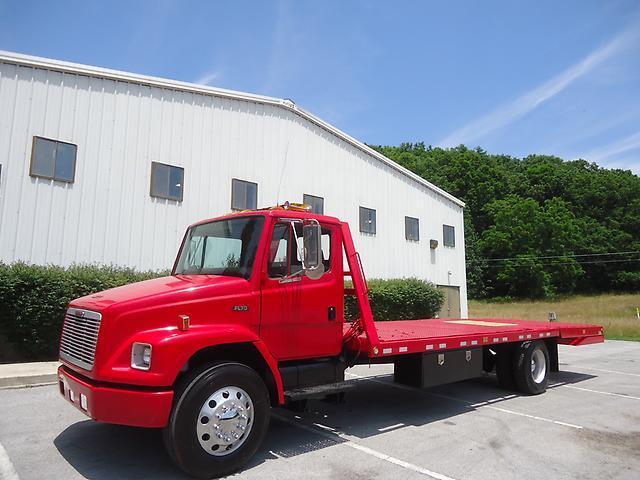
(101, 166)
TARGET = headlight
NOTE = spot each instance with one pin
(141, 356)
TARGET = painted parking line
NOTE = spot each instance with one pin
(391, 427)
(535, 417)
(622, 395)
(507, 410)
(342, 439)
(486, 404)
(7, 470)
(617, 372)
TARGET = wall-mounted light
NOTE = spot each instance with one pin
(433, 244)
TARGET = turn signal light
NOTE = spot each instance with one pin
(141, 356)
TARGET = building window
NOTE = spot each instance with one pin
(167, 181)
(53, 160)
(367, 220)
(316, 203)
(411, 228)
(448, 236)
(244, 195)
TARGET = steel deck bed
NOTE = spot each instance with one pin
(439, 334)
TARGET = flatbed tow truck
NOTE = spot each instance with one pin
(252, 317)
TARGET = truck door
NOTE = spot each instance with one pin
(301, 318)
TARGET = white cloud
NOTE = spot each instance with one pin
(511, 111)
(207, 78)
(626, 144)
(280, 64)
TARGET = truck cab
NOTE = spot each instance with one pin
(263, 290)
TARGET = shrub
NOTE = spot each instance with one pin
(398, 299)
(33, 300)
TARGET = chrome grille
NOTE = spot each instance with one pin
(80, 337)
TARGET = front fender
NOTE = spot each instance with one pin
(172, 348)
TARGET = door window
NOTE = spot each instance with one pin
(279, 251)
(284, 256)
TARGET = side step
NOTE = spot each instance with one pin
(318, 391)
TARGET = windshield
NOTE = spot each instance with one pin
(223, 247)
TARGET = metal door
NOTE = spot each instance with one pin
(451, 305)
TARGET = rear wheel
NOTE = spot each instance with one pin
(219, 419)
(531, 367)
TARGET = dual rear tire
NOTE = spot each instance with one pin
(525, 367)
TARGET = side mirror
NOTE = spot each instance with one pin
(312, 250)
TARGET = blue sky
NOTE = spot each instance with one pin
(514, 77)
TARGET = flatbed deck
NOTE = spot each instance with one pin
(427, 335)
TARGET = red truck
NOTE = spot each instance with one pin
(252, 317)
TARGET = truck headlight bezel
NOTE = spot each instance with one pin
(141, 354)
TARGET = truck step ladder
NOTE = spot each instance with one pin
(318, 391)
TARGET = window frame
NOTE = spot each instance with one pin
(444, 236)
(305, 196)
(407, 230)
(168, 196)
(55, 159)
(233, 184)
(374, 223)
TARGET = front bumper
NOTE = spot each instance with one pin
(124, 405)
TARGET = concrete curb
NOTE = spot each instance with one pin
(16, 375)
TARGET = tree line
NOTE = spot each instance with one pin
(539, 226)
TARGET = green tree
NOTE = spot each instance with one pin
(540, 206)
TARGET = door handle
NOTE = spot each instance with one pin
(331, 313)
(290, 280)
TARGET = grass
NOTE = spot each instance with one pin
(616, 312)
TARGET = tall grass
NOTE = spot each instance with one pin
(616, 312)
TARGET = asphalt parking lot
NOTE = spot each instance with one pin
(587, 425)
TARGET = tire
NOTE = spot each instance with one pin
(531, 367)
(219, 419)
(504, 367)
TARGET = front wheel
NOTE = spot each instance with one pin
(531, 367)
(218, 421)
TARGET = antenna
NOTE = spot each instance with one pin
(284, 165)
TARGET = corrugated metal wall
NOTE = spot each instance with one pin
(120, 127)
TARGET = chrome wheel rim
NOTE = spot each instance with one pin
(538, 366)
(225, 420)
